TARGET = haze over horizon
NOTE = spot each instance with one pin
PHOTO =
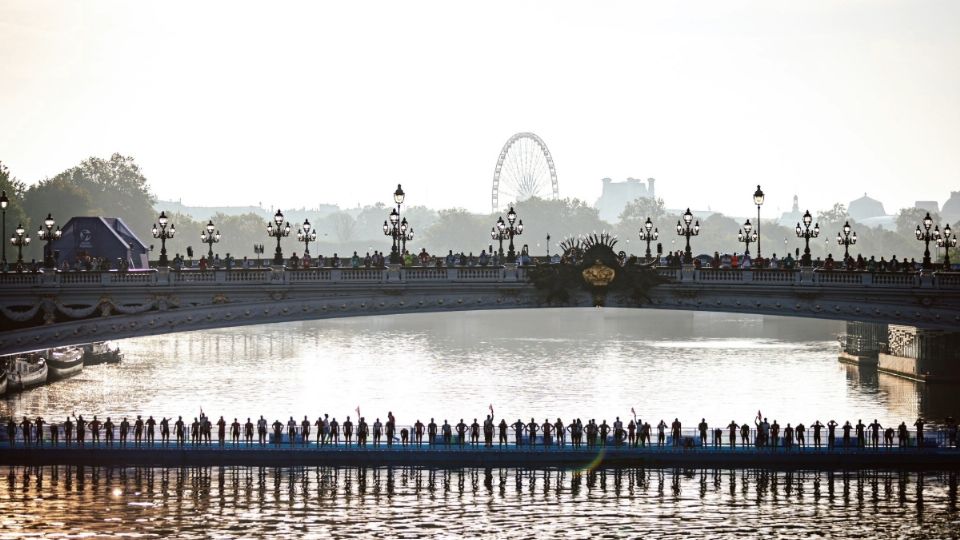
(226, 104)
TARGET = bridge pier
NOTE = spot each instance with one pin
(921, 354)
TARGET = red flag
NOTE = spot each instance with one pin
(358, 411)
(491, 409)
(759, 416)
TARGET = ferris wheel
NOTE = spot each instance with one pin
(524, 169)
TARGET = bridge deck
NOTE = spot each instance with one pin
(455, 456)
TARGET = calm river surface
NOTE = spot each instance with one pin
(587, 363)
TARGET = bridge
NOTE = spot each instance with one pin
(41, 310)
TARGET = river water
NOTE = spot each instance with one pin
(587, 363)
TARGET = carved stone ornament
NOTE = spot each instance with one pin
(599, 275)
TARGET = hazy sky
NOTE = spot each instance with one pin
(295, 104)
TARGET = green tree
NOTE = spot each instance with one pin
(836, 215)
(15, 212)
(60, 198)
(909, 218)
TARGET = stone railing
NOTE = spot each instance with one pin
(487, 274)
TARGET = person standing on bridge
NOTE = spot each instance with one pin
(502, 428)
(235, 432)
(861, 436)
(165, 430)
(262, 430)
(277, 432)
(817, 426)
(832, 433)
(54, 434)
(717, 437)
(951, 431)
(391, 428)
(81, 430)
(604, 430)
(775, 433)
(846, 434)
(26, 429)
(151, 424)
(801, 443)
(919, 425)
(362, 431)
(108, 431)
(475, 432)
(532, 429)
(903, 435)
(888, 437)
(702, 427)
(67, 430)
(875, 428)
(292, 431)
(95, 430)
(733, 427)
(221, 431)
(248, 431)
(488, 431)
(138, 431)
(560, 432)
(12, 431)
(446, 432)
(675, 428)
(632, 434)
(432, 432)
(788, 437)
(745, 434)
(39, 430)
(334, 431)
(461, 433)
(347, 430)
(305, 431)
(418, 432)
(377, 432)
(661, 437)
(518, 431)
(546, 428)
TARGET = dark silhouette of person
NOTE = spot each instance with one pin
(919, 425)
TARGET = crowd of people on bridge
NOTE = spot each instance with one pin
(328, 431)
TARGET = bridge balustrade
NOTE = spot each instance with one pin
(360, 274)
(479, 274)
(712, 274)
(774, 276)
(202, 276)
(947, 279)
(838, 278)
(129, 278)
(425, 274)
(311, 274)
(895, 280)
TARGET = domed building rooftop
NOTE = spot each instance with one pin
(864, 208)
(951, 208)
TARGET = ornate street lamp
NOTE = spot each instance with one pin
(406, 233)
(848, 239)
(207, 236)
(926, 236)
(747, 235)
(686, 230)
(20, 239)
(48, 234)
(160, 231)
(513, 228)
(946, 240)
(758, 200)
(392, 229)
(306, 234)
(279, 231)
(648, 233)
(499, 233)
(548, 245)
(806, 233)
(4, 201)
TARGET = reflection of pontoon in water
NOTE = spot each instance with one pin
(26, 372)
(100, 353)
(65, 362)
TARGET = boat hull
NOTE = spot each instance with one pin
(99, 354)
(17, 382)
(63, 365)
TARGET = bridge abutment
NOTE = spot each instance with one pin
(921, 355)
(861, 343)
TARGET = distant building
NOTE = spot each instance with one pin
(929, 206)
(109, 238)
(865, 208)
(616, 195)
(794, 216)
(951, 208)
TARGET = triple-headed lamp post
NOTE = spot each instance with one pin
(946, 240)
(160, 231)
(807, 233)
(4, 201)
(209, 237)
(747, 235)
(648, 233)
(926, 236)
(48, 234)
(392, 229)
(306, 234)
(848, 239)
(513, 228)
(499, 233)
(20, 239)
(687, 230)
(279, 231)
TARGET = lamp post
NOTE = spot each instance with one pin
(4, 201)
(258, 251)
(48, 234)
(20, 239)
(747, 235)
(279, 231)
(648, 233)
(513, 228)
(499, 233)
(406, 233)
(207, 236)
(160, 231)
(548, 245)
(946, 240)
(848, 239)
(926, 236)
(306, 234)
(806, 233)
(758, 200)
(686, 230)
